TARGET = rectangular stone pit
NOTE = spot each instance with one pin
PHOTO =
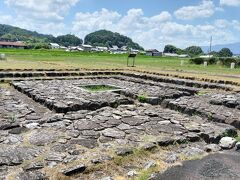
(63, 96)
(93, 93)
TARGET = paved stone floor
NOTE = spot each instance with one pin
(55, 129)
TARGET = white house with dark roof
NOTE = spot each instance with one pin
(102, 48)
(153, 52)
(86, 47)
(54, 45)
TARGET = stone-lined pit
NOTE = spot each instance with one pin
(70, 95)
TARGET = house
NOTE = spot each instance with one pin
(74, 48)
(54, 45)
(236, 55)
(18, 44)
(115, 48)
(183, 55)
(86, 47)
(101, 49)
(63, 48)
(153, 52)
(124, 48)
(170, 55)
(134, 51)
(206, 56)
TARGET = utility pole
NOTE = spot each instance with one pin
(210, 49)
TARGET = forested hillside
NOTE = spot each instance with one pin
(11, 33)
(108, 38)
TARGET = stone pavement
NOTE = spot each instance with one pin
(55, 128)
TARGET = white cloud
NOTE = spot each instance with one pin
(203, 10)
(151, 32)
(45, 16)
(230, 2)
(54, 28)
(87, 22)
(5, 19)
(46, 9)
(236, 24)
(225, 24)
(164, 16)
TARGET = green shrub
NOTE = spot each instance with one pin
(223, 61)
(228, 61)
(42, 46)
(212, 60)
(197, 60)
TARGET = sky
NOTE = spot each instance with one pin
(151, 23)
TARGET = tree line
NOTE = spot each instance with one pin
(193, 51)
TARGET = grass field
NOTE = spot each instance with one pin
(48, 59)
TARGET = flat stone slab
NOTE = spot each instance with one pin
(17, 155)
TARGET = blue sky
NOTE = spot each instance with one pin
(151, 23)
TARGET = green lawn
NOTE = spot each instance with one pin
(60, 59)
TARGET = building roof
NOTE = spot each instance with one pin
(54, 44)
(102, 47)
(206, 56)
(115, 47)
(152, 50)
(86, 46)
(183, 55)
(171, 54)
(18, 43)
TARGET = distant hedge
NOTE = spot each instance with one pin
(228, 61)
(214, 60)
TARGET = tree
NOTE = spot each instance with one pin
(68, 40)
(225, 52)
(194, 50)
(214, 53)
(181, 51)
(170, 49)
(109, 39)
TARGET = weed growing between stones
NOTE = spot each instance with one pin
(238, 138)
(202, 93)
(12, 118)
(138, 158)
(142, 98)
(138, 154)
(145, 174)
(230, 133)
(4, 85)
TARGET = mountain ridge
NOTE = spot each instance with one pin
(12, 33)
(234, 47)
